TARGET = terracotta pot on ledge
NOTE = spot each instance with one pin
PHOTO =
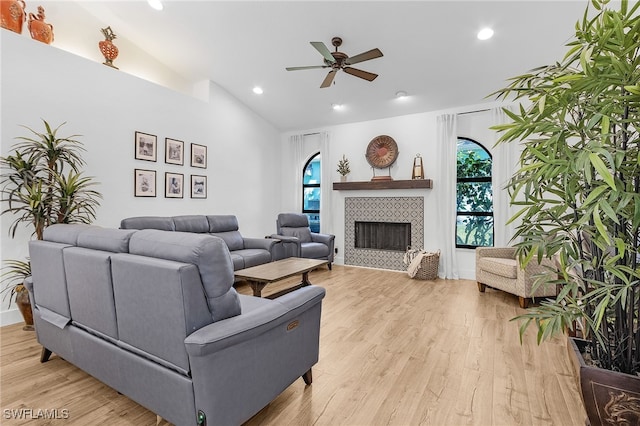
(12, 15)
(39, 29)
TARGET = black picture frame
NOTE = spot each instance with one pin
(173, 185)
(198, 186)
(144, 183)
(198, 156)
(173, 151)
(146, 146)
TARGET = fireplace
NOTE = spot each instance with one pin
(377, 217)
(382, 235)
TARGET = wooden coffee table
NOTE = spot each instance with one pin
(259, 276)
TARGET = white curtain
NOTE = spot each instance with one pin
(298, 160)
(445, 194)
(505, 160)
(326, 186)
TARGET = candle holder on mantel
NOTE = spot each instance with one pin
(108, 49)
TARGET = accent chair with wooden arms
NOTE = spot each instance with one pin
(498, 268)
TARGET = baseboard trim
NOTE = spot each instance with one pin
(11, 316)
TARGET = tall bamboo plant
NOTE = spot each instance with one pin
(36, 189)
(578, 183)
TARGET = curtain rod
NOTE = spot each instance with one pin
(472, 112)
(311, 134)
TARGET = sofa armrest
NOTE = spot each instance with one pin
(244, 327)
(323, 238)
(259, 243)
(288, 247)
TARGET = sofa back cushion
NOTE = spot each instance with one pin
(226, 227)
(89, 279)
(209, 253)
(294, 225)
(159, 303)
(191, 223)
(148, 222)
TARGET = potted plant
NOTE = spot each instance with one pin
(38, 191)
(343, 168)
(578, 189)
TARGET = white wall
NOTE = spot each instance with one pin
(414, 134)
(107, 107)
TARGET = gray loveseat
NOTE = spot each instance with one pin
(153, 315)
(245, 252)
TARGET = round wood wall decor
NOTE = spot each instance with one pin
(382, 152)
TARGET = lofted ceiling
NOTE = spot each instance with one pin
(430, 50)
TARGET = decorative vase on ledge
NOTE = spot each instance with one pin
(12, 15)
(39, 29)
(107, 48)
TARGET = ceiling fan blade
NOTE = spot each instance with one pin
(328, 79)
(312, 67)
(359, 73)
(371, 54)
(324, 51)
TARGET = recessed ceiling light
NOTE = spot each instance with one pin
(336, 106)
(485, 34)
(400, 94)
(156, 4)
(258, 90)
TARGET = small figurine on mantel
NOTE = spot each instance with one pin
(39, 29)
(108, 49)
(418, 169)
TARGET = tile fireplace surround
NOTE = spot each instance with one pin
(381, 209)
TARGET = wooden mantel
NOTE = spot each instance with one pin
(384, 184)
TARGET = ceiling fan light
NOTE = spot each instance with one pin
(155, 4)
(485, 34)
(258, 90)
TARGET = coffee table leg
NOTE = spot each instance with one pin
(257, 287)
(305, 279)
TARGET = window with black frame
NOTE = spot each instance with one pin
(311, 192)
(474, 195)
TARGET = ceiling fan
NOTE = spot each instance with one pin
(340, 61)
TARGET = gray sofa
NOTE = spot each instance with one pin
(153, 315)
(245, 252)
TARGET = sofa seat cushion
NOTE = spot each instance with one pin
(254, 257)
(314, 250)
(507, 268)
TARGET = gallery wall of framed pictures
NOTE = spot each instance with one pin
(145, 180)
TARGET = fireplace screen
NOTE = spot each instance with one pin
(382, 235)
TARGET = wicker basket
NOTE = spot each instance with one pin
(428, 269)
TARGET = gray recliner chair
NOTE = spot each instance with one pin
(298, 240)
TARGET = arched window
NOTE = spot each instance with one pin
(311, 192)
(474, 217)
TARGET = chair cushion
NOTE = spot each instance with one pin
(293, 220)
(303, 234)
(507, 268)
(254, 257)
(314, 250)
(232, 239)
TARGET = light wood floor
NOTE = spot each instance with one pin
(393, 351)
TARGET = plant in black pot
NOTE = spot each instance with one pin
(42, 184)
(578, 192)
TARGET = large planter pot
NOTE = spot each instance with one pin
(609, 397)
(24, 306)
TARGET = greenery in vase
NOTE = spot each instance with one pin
(578, 185)
(41, 184)
(343, 166)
